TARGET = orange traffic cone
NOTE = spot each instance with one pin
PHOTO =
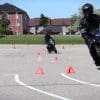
(39, 71)
(38, 53)
(55, 58)
(70, 70)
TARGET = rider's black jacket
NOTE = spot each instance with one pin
(90, 23)
(47, 38)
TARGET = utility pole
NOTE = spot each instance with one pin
(16, 21)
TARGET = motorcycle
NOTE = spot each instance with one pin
(51, 46)
(93, 42)
(96, 41)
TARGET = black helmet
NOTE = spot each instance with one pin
(87, 9)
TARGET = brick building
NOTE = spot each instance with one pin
(18, 18)
(57, 26)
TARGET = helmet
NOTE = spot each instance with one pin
(87, 9)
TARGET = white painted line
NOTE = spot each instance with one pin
(79, 81)
(35, 89)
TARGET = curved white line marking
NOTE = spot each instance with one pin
(35, 89)
(82, 82)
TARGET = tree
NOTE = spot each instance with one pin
(73, 19)
(97, 11)
(43, 20)
(74, 23)
(4, 21)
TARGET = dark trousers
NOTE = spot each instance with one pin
(92, 49)
(94, 55)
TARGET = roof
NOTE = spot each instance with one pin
(9, 8)
(34, 22)
(60, 21)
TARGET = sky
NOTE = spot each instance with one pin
(51, 8)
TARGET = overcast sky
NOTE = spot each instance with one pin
(51, 8)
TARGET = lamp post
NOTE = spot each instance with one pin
(16, 21)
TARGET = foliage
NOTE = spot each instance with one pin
(4, 31)
(4, 22)
(76, 20)
(97, 11)
(73, 19)
(74, 23)
(43, 20)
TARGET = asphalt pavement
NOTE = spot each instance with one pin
(28, 72)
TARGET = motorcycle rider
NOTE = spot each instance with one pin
(89, 23)
(49, 41)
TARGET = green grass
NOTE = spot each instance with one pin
(39, 39)
(69, 39)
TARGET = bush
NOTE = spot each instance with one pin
(8, 32)
(4, 31)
